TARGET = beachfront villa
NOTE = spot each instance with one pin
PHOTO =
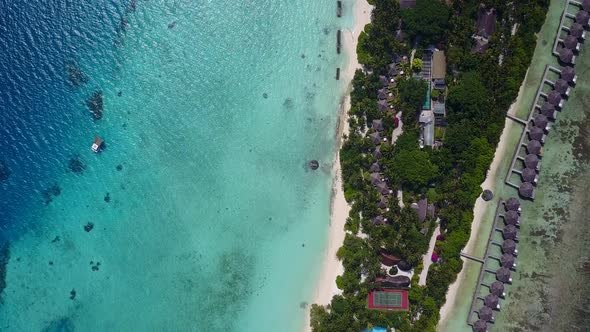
(486, 26)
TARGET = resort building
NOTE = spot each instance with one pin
(486, 26)
(407, 4)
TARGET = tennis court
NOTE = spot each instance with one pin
(389, 299)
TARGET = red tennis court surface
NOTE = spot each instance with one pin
(388, 299)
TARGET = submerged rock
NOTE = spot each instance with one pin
(88, 227)
(107, 197)
(75, 75)
(51, 192)
(94, 104)
(314, 164)
(4, 171)
(119, 167)
(76, 165)
(4, 257)
(172, 25)
(72, 294)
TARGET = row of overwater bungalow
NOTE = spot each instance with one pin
(506, 264)
(540, 121)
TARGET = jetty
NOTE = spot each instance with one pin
(339, 8)
(338, 41)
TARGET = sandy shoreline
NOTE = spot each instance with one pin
(480, 207)
(339, 208)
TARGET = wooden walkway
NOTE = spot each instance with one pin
(562, 25)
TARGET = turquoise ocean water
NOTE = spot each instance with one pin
(205, 216)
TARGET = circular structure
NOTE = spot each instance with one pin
(526, 190)
(577, 30)
(492, 301)
(511, 218)
(561, 86)
(540, 121)
(480, 326)
(536, 134)
(534, 147)
(509, 247)
(510, 232)
(314, 164)
(571, 43)
(503, 275)
(507, 261)
(566, 55)
(554, 98)
(548, 110)
(486, 314)
(586, 5)
(487, 195)
(582, 17)
(512, 204)
(531, 161)
(404, 266)
(529, 175)
(568, 74)
(497, 288)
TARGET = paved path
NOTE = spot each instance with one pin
(426, 259)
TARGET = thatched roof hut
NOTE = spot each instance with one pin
(375, 178)
(384, 80)
(375, 167)
(569, 74)
(549, 111)
(503, 275)
(383, 105)
(529, 175)
(554, 98)
(486, 314)
(540, 121)
(512, 204)
(377, 125)
(583, 18)
(508, 261)
(531, 161)
(510, 232)
(480, 326)
(379, 220)
(512, 217)
(526, 190)
(389, 260)
(382, 94)
(570, 42)
(537, 134)
(509, 247)
(487, 195)
(393, 282)
(375, 137)
(377, 153)
(534, 147)
(566, 56)
(382, 203)
(382, 188)
(492, 301)
(577, 30)
(562, 87)
(586, 5)
(497, 288)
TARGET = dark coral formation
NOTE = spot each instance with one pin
(172, 25)
(107, 197)
(119, 167)
(76, 165)
(72, 294)
(4, 257)
(62, 324)
(76, 76)
(51, 192)
(88, 227)
(94, 104)
(4, 171)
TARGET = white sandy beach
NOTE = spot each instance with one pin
(332, 267)
(479, 208)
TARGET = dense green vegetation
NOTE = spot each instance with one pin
(481, 90)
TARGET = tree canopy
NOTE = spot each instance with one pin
(413, 168)
(428, 21)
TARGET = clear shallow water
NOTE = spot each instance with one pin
(213, 222)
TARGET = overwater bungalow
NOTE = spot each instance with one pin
(526, 190)
(571, 43)
(486, 314)
(583, 18)
(510, 232)
(382, 94)
(377, 153)
(529, 175)
(376, 178)
(375, 167)
(508, 261)
(383, 105)
(509, 247)
(480, 326)
(512, 204)
(512, 218)
(577, 30)
(555, 99)
(376, 138)
(586, 5)
(569, 74)
(531, 161)
(541, 121)
(497, 288)
(503, 275)
(567, 56)
(379, 220)
(549, 111)
(97, 144)
(378, 125)
(562, 87)
(534, 147)
(492, 301)
(537, 134)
